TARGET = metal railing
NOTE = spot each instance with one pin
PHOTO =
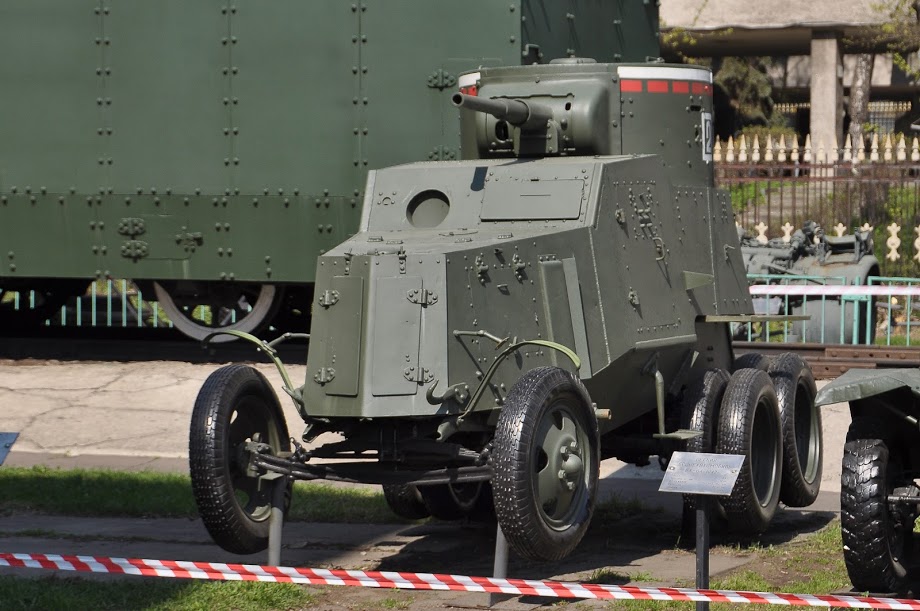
(110, 304)
(885, 317)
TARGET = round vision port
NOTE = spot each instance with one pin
(428, 209)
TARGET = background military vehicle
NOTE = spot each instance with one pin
(211, 150)
(818, 258)
(879, 496)
(500, 324)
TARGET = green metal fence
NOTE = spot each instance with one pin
(886, 319)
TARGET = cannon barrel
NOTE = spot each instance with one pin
(516, 112)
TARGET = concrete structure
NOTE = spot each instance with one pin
(814, 37)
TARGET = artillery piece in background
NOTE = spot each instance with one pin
(817, 258)
(499, 325)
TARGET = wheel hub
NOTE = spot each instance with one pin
(571, 467)
(561, 472)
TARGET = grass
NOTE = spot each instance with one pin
(98, 492)
(810, 565)
(53, 593)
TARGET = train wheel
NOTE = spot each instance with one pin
(700, 412)
(802, 435)
(451, 501)
(877, 535)
(405, 501)
(546, 464)
(235, 405)
(198, 309)
(749, 424)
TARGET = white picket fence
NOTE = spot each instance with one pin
(744, 150)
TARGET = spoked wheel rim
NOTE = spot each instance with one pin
(198, 309)
(765, 462)
(560, 462)
(251, 421)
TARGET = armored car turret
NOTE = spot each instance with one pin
(500, 324)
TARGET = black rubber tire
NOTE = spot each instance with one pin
(751, 360)
(235, 403)
(405, 501)
(749, 424)
(875, 544)
(699, 411)
(803, 445)
(450, 501)
(541, 517)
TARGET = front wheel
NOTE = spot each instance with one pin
(236, 405)
(876, 534)
(546, 464)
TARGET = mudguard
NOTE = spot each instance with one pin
(863, 383)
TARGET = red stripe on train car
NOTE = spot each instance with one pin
(702, 88)
(680, 86)
(630, 86)
(657, 86)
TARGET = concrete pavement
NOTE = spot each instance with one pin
(136, 416)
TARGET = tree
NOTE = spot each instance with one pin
(748, 89)
(859, 97)
(897, 34)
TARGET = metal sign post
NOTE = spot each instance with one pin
(703, 475)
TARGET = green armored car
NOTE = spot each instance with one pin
(499, 325)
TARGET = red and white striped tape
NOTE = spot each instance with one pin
(430, 581)
(779, 290)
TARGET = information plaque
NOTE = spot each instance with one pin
(702, 473)
(6, 443)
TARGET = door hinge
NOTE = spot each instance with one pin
(419, 375)
(324, 375)
(422, 296)
(329, 298)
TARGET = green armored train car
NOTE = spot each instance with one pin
(210, 150)
(500, 324)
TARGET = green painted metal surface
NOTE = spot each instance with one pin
(553, 228)
(240, 132)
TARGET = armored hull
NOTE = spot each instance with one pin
(586, 252)
(500, 324)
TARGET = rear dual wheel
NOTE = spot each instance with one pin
(767, 414)
(801, 429)
(700, 407)
(749, 424)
